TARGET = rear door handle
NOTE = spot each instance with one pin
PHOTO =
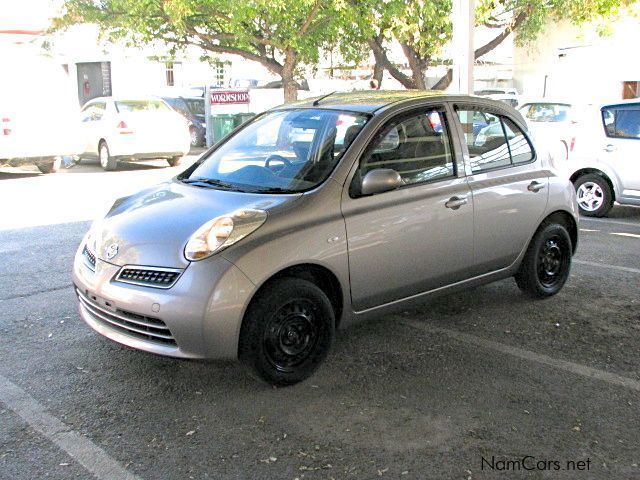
(455, 203)
(535, 186)
(610, 148)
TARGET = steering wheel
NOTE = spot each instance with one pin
(278, 158)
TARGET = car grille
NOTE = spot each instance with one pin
(90, 258)
(148, 276)
(138, 326)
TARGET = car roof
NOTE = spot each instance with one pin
(371, 101)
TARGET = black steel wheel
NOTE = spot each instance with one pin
(287, 331)
(547, 263)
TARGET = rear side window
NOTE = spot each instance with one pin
(493, 141)
(622, 121)
(417, 147)
(546, 112)
(93, 112)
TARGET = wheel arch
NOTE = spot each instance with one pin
(317, 274)
(586, 171)
(568, 220)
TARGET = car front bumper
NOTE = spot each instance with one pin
(198, 317)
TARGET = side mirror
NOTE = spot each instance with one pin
(380, 180)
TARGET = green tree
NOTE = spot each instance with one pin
(281, 35)
(423, 27)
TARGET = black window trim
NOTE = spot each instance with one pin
(500, 115)
(399, 118)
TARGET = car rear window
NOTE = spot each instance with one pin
(546, 112)
(124, 106)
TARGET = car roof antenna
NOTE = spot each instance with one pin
(317, 101)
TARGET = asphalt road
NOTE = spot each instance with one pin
(425, 394)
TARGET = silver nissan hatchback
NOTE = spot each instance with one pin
(320, 213)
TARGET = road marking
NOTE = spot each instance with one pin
(611, 222)
(565, 365)
(89, 455)
(610, 267)
(624, 234)
(588, 230)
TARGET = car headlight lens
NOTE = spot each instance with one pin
(222, 232)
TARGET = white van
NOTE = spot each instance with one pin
(38, 111)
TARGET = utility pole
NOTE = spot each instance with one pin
(463, 52)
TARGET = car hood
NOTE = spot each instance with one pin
(152, 227)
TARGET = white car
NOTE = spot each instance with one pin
(133, 129)
(38, 111)
(553, 123)
(605, 164)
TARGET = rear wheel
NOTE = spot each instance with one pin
(106, 160)
(50, 167)
(287, 331)
(594, 195)
(174, 161)
(547, 263)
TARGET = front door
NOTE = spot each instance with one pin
(509, 186)
(416, 237)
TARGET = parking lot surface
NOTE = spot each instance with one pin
(484, 384)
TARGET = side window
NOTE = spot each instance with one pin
(93, 112)
(622, 122)
(519, 146)
(416, 147)
(493, 141)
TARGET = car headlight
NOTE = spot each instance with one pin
(223, 231)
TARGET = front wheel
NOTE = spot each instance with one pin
(594, 195)
(547, 263)
(287, 331)
(174, 161)
(107, 162)
(50, 167)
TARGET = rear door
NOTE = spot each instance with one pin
(508, 182)
(419, 236)
(622, 148)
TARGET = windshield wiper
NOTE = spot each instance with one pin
(209, 181)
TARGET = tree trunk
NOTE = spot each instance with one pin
(381, 58)
(415, 65)
(444, 82)
(288, 82)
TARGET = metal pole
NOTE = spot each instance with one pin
(207, 115)
(463, 52)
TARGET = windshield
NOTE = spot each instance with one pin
(141, 106)
(196, 105)
(546, 112)
(282, 151)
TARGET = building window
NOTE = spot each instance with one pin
(630, 90)
(219, 74)
(169, 74)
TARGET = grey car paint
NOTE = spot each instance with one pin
(384, 251)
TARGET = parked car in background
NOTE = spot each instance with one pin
(605, 162)
(341, 208)
(38, 111)
(192, 108)
(553, 122)
(133, 128)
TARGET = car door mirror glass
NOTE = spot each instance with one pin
(380, 180)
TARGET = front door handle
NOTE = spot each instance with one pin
(535, 186)
(455, 203)
(610, 148)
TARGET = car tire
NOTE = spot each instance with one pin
(50, 167)
(595, 198)
(174, 161)
(107, 162)
(547, 263)
(194, 136)
(287, 331)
